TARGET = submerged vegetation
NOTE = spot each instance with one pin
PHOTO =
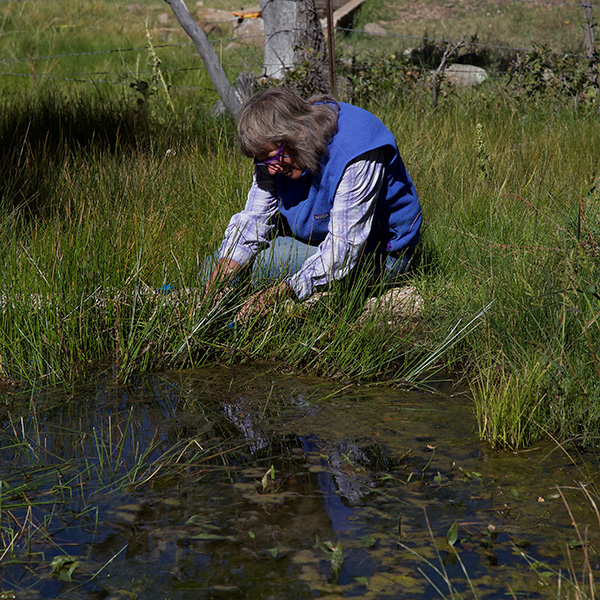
(230, 483)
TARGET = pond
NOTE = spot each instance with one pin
(242, 482)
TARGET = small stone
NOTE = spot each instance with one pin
(375, 29)
(398, 304)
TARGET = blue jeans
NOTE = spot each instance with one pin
(285, 256)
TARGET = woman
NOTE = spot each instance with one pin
(330, 194)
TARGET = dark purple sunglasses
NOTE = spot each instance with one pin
(274, 160)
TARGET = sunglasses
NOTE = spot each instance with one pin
(274, 160)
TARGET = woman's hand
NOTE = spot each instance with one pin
(261, 301)
(225, 269)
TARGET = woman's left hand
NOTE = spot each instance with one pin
(261, 301)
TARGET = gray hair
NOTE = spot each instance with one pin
(280, 116)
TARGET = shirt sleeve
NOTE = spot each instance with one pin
(250, 230)
(350, 224)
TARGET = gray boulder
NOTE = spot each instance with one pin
(465, 75)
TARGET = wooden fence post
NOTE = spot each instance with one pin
(590, 50)
(331, 46)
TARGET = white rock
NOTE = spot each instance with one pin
(465, 75)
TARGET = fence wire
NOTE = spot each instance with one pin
(549, 2)
(120, 78)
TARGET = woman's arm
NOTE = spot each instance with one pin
(248, 231)
(349, 226)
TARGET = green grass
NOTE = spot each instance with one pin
(120, 200)
(493, 22)
(109, 192)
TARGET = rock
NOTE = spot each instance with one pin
(465, 75)
(399, 304)
(314, 299)
(249, 31)
(375, 29)
(209, 27)
(212, 15)
(396, 306)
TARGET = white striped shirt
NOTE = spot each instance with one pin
(351, 217)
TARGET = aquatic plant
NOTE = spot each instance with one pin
(570, 582)
(507, 401)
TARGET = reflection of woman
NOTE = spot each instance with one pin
(329, 192)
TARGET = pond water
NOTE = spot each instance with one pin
(246, 483)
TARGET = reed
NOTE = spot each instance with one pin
(102, 212)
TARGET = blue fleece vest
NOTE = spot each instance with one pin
(305, 204)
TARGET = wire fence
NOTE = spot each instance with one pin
(123, 78)
(549, 2)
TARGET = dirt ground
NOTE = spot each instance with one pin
(515, 24)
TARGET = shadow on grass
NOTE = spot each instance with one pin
(41, 132)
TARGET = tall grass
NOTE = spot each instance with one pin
(511, 218)
(105, 201)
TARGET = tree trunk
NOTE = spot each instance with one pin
(294, 38)
(230, 99)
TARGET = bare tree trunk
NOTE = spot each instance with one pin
(293, 37)
(435, 79)
(230, 99)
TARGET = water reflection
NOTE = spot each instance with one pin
(217, 484)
